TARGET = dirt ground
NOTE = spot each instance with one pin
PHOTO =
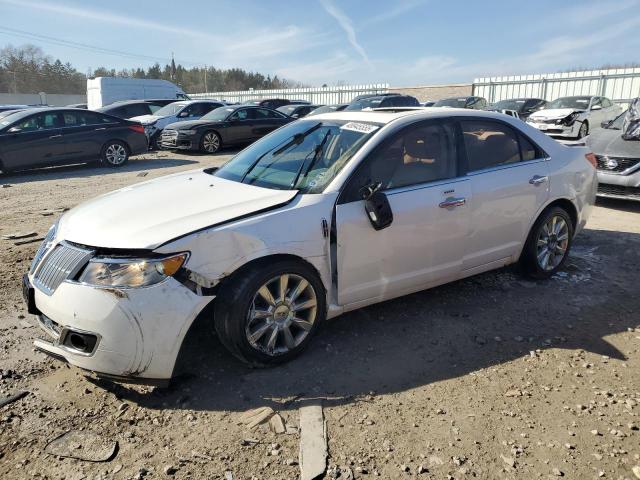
(491, 377)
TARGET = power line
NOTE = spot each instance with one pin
(83, 46)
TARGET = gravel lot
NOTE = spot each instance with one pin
(490, 377)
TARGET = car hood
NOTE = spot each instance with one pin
(606, 141)
(190, 124)
(552, 113)
(146, 119)
(146, 215)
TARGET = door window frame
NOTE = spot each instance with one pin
(345, 195)
(518, 134)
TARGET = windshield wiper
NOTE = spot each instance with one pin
(316, 155)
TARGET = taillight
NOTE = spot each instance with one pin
(137, 128)
(591, 158)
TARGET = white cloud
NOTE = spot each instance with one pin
(347, 25)
(330, 70)
(399, 9)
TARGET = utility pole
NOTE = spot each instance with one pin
(206, 89)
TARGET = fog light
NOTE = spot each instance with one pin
(81, 342)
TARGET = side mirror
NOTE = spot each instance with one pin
(605, 124)
(295, 115)
(14, 130)
(183, 114)
(596, 107)
(377, 206)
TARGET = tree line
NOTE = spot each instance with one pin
(28, 69)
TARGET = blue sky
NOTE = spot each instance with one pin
(409, 42)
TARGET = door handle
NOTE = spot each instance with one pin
(103, 128)
(538, 180)
(55, 136)
(452, 202)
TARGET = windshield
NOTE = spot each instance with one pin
(219, 114)
(617, 123)
(371, 102)
(580, 103)
(169, 110)
(288, 109)
(451, 102)
(326, 109)
(509, 105)
(305, 155)
(10, 116)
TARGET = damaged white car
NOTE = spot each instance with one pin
(322, 216)
(574, 117)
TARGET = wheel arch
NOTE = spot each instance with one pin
(214, 130)
(117, 139)
(566, 205)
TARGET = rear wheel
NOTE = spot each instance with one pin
(268, 314)
(210, 142)
(548, 244)
(114, 154)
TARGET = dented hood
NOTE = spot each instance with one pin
(148, 214)
(553, 113)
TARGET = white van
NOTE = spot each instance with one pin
(102, 91)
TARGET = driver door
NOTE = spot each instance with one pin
(425, 243)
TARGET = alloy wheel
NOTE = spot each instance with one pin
(583, 131)
(116, 154)
(283, 312)
(553, 241)
(211, 142)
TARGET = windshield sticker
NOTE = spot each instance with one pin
(359, 127)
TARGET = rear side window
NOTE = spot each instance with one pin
(492, 144)
(137, 109)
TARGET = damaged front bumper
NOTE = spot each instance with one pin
(557, 130)
(624, 186)
(130, 334)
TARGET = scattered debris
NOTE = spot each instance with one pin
(253, 418)
(6, 185)
(169, 470)
(513, 393)
(30, 240)
(277, 424)
(13, 398)
(18, 235)
(313, 442)
(142, 174)
(636, 471)
(83, 445)
(228, 475)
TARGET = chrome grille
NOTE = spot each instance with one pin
(44, 248)
(606, 189)
(616, 164)
(62, 263)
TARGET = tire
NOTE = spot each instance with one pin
(211, 142)
(245, 320)
(154, 142)
(114, 154)
(552, 231)
(584, 130)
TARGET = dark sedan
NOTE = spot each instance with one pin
(523, 106)
(473, 103)
(61, 136)
(298, 111)
(275, 103)
(134, 108)
(224, 126)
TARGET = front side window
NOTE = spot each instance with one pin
(170, 110)
(304, 155)
(491, 144)
(419, 154)
(44, 121)
(239, 115)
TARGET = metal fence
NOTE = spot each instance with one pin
(620, 85)
(315, 95)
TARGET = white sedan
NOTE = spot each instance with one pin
(322, 216)
(574, 117)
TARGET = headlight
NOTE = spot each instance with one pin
(130, 273)
(188, 132)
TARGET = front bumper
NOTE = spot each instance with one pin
(626, 187)
(181, 141)
(554, 130)
(138, 331)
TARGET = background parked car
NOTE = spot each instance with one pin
(382, 101)
(429, 103)
(4, 108)
(134, 108)
(58, 136)
(174, 112)
(275, 103)
(522, 106)
(77, 105)
(298, 111)
(474, 103)
(574, 117)
(329, 108)
(618, 160)
(229, 125)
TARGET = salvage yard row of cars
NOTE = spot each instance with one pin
(32, 136)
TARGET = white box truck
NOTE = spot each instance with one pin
(102, 91)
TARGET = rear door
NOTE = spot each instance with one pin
(425, 243)
(84, 134)
(240, 126)
(509, 178)
(265, 121)
(37, 141)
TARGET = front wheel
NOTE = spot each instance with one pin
(210, 142)
(584, 130)
(114, 154)
(548, 244)
(268, 314)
